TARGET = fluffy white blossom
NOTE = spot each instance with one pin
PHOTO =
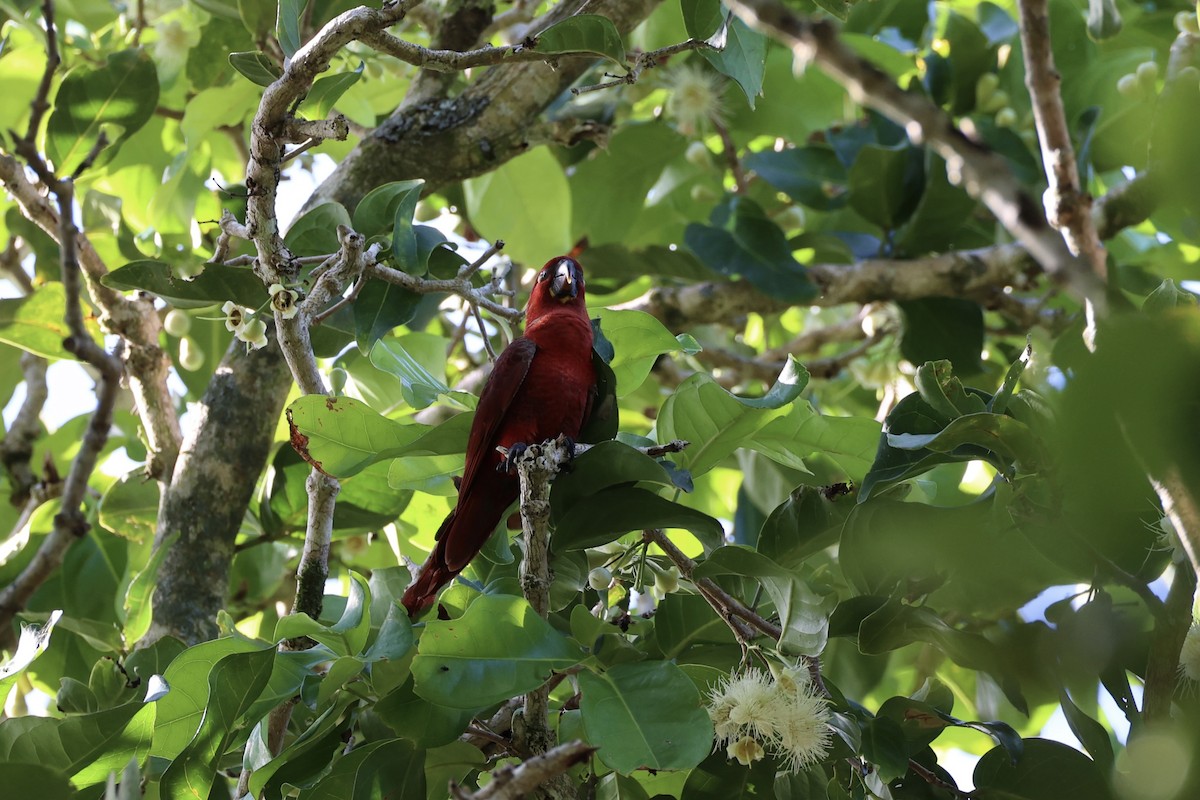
(1189, 656)
(782, 715)
(695, 99)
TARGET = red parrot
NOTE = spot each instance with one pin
(541, 386)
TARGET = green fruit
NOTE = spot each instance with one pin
(1185, 22)
(792, 218)
(985, 87)
(1147, 74)
(337, 379)
(1006, 118)
(177, 323)
(600, 579)
(997, 101)
(698, 154)
(191, 357)
(1128, 86)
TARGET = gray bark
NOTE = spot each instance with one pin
(224, 452)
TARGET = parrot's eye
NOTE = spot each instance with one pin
(543, 275)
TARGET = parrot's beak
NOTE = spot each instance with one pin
(568, 278)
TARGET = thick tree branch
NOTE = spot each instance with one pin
(1170, 628)
(1068, 207)
(512, 782)
(983, 173)
(17, 448)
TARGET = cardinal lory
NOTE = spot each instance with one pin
(541, 386)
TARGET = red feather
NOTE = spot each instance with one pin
(541, 387)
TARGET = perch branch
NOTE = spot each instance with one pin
(17, 448)
(983, 172)
(1170, 628)
(540, 771)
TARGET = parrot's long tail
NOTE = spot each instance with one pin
(433, 576)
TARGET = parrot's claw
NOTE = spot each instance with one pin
(508, 464)
(569, 445)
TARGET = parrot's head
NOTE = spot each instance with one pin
(559, 282)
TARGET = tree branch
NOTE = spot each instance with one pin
(1170, 628)
(513, 782)
(983, 173)
(17, 448)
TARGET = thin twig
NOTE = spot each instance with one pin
(467, 270)
(643, 62)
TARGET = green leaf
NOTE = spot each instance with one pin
(390, 768)
(499, 648)
(325, 93)
(684, 620)
(404, 238)
(1045, 771)
(813, 176)
(423, 723)
(886, 183)
(638, 339)
(129, 508)
(617, 179)
(606, 465)
(347, 636)
(527, 203)
(583, 33)
(139, 597)
(743, 241)
(288, 25)
(256, 66)
(743, 58)
(256, 17)
(1094, 736)
(216, 284)
(883, 745)
(937, 328)
(380, 307)
(418, 360)
(315, 233)
(849, 442)
(803, 614)
(604, 516)
(234, 684)
(35, 323)
(87, 747)
(342, 436)
(937, 385)
(119, 97)
(1013, 441)
(33, 642)
(647, 715)
(720, 778)
(701, 18)
(802, 525)
(306, 757)
(716, 422)
(375, 214)
(35, 780)
(182, 711)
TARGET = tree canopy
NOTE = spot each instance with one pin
(895, 450)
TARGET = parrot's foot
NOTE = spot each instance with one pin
(569, 445)
(508, 464)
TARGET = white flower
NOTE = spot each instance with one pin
(235, 316)
(785, 717)
(254, 334)
(284, 301)
(746, 750)
(1189, 656)
(695, 100)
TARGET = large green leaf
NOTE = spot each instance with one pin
(716, 422)
(139, 596)
(606, 465)
(720, 778)
(287, 25)
(347, 636)
(374, 771)
(743, 57)
(35, 323)
(35, 780)
(743, 241)
(117, 98)
(886, 184)
(419, 361)
(1046, 770)
(812, 175)
(315, 232)
(255, 66)
(645, 716)
(527, 203)
(638, 339)
(938, 328)
(423, 723)
(84, 746)
(129, 508)
(684, 620)
(216, 284)
(583, 33)
(342, 436)
(499, 648)
(604, 516)
(616, 180)
(803, 614)
(1013, 441)
(234, 684)
(802, 433)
